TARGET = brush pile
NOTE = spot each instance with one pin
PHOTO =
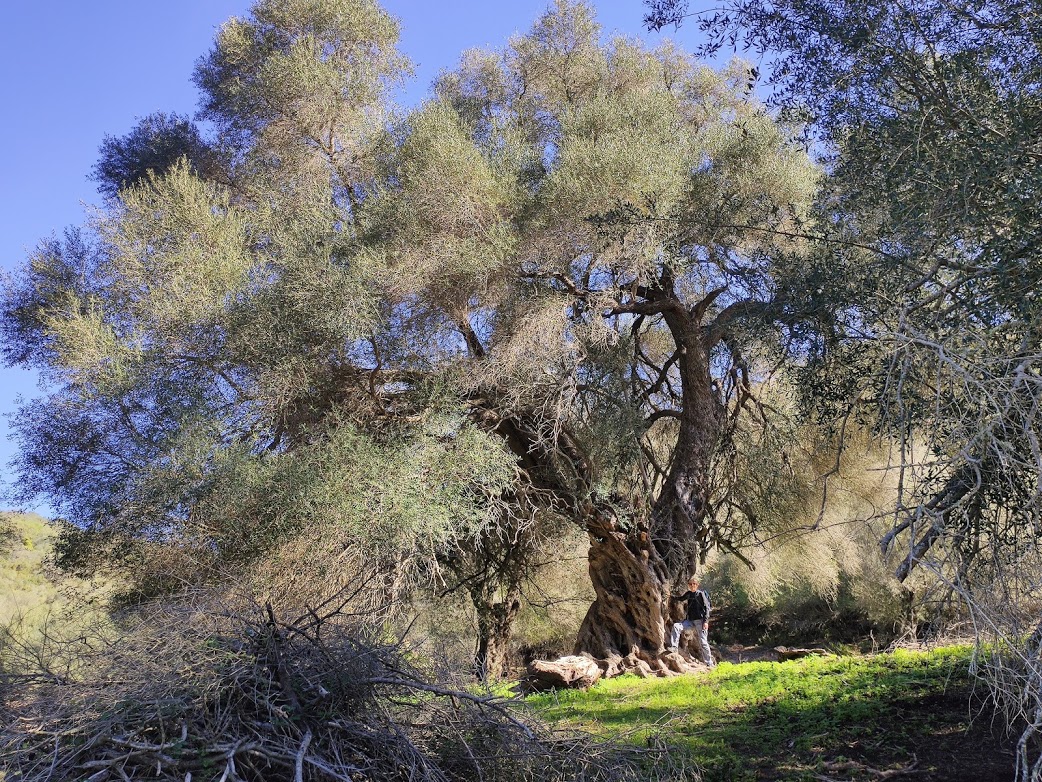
(204, 692)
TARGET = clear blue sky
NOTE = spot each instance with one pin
(75, 71)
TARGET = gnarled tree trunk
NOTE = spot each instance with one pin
(627, 624)
(635, 567)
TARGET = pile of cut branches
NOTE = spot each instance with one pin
(208, 693)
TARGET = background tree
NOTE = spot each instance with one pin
(566, 276)
(498, 568)
(631, 287)
(929, 117)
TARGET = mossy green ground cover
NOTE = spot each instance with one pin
(803, 719)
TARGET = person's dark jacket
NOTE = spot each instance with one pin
(698, 605)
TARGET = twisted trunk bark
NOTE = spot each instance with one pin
(636, 567)
(628, 624)
(626, 627)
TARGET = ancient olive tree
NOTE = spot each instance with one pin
(555, 287)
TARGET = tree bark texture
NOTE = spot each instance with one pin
(626, 625)
(635, 567)
(495, 627)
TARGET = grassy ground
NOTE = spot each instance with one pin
(819, 718)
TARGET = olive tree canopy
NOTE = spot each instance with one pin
(560, 283)
(928, 117)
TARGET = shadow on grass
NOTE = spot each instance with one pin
(784, 721)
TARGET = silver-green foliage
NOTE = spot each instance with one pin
(310, 335)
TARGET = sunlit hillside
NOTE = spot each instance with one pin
(25, 545)
(37, 600)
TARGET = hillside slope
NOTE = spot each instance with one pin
(26, 542)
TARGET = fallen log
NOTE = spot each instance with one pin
(572, 672)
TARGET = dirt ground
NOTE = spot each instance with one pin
(739, 653)
(959, 750)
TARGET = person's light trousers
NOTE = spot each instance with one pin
(701, 637)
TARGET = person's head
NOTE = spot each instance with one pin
(693, 583)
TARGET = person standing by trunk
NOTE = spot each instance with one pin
(697, 619)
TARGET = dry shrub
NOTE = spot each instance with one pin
(820, 573)
(7, 533)
(223, 688)
(1005, 614)
(322, 560)
(444, 629)
(555, 595)
(828, 582)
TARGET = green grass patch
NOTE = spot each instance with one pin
(755, 721)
